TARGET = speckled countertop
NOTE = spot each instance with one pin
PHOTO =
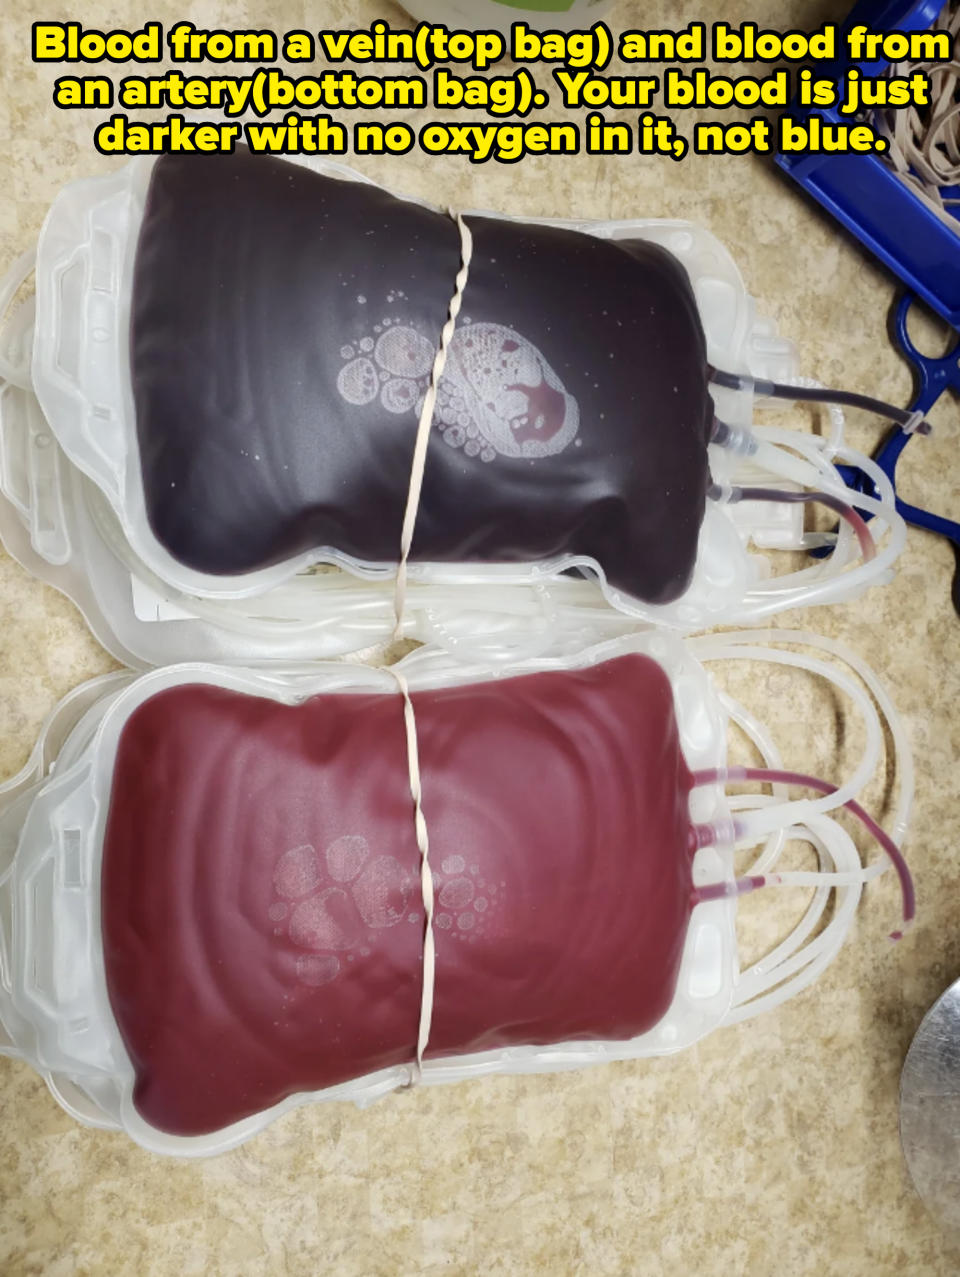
(768, 1148)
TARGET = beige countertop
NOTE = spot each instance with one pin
(768, 1148)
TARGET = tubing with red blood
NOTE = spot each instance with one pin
(903, 417)
(707, 834)
(731, 494)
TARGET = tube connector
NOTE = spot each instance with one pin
(720, 833)
(724, 493)
(917, 424)
(731, 890)
(721, 776)
(737, 440)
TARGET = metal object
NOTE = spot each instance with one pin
(930, 1109)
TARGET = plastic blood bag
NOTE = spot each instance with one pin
(283, 331)
(270, 330)
(262, 921)
(216, 907)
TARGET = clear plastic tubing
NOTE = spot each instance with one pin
(814, 470)
(10, 285)
(769, 776)
(886, 556)
(733, 494)
(764, 987)
(816, 394)
(756, 824)
(736, 643)
(758, 733)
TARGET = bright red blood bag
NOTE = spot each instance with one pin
(262, 920)
(212, 909)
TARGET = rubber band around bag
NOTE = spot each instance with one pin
(418, 465)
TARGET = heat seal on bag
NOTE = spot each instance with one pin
(230, 356)
(219, 905)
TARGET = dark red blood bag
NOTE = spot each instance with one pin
(262, 920)
(284, 325)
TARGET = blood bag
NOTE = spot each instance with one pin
(216, 907)
(229, 356)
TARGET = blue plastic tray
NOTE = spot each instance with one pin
(865, 194)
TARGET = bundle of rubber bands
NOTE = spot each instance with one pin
(925, 141)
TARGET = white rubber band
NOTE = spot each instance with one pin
(426, 877)
(426, 421)
(399, 600)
